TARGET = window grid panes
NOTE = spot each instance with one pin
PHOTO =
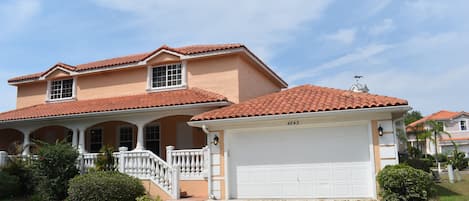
(166, 76)
(96, 140)
(152, 139)
(463, 125)
(61, 89)
(126, 137)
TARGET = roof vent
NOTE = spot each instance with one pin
(359, 87)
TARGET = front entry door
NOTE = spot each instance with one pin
(184, 136)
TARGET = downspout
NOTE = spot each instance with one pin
(209, 172)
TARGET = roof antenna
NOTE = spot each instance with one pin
(359, 87)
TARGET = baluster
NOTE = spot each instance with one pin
(183, 162)
(161, 173)
(188, 163)
(157, 171)
(192, 155)
(144, 164)
(197, 163)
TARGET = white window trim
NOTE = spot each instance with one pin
(118, 135)
(88, 141)
(159, 133)
(183, 84)
(74, 91)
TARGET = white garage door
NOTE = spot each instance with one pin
(300, 163)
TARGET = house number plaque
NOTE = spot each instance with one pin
(293, 122)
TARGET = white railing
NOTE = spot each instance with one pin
(146, 165)
(143, 165)
(193, 163)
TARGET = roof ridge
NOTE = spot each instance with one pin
(138, 57)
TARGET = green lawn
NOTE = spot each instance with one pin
(453, 192)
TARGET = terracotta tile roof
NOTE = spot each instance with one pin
(301, 99)
(151, 100)
(440, 115)
(186, 50)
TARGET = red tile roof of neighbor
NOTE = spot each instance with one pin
(301, 99)
(151, 100)
(440, 115)
(186, 50)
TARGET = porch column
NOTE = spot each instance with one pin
(140, 141)
(26, 143)
(75, 138)
(81, 140)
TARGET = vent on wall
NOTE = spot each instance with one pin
(359, 87)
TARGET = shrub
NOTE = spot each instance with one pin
(103, 186)
(442, 158)
(458, 161)
(9, 185)
(402, 182)
(55, 166)
(421, 164)
(105, 160)
(23, 170)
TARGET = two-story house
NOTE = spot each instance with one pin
(213, 121)
(455, 124)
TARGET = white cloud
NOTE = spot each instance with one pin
(360, 54)
(15, 15)
(377, 6)
(428, 70)
(259, 24)
(385, 26)
(345, 36)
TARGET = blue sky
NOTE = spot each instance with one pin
(416, 50)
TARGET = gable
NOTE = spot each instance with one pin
(164, 57)
(57, 73)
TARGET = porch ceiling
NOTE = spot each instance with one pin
(150, 100)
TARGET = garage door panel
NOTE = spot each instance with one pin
(261, 166)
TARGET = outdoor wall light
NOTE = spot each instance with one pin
(215, 140)
(380, 131)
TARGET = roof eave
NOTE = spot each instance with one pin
(200, 123)
(120, 112)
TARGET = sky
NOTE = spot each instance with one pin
(415, 50)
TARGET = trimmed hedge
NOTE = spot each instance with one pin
(9, 185)
(421, 164)
(402, 182)
(105, 186)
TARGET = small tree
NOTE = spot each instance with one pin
(412, 116)
(105, 160)
(56, 165)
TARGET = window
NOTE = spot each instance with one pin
(166, 76)
(463, 125)
(61, 89)
(96, 140)
(69, 136)
(152, 138)
(126, 137)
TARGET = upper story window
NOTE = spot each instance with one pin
(167, 76)
(61, 89)
(463, 125)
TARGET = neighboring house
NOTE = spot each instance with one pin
(215, 115)
(454, 123)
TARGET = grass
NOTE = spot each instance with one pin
(453, 192)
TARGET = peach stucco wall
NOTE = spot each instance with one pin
(112, 83)
(252, 82)
(219, 75)
(31, 94)
(57, 74)
(233, 76)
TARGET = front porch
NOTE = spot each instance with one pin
(159, 148)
